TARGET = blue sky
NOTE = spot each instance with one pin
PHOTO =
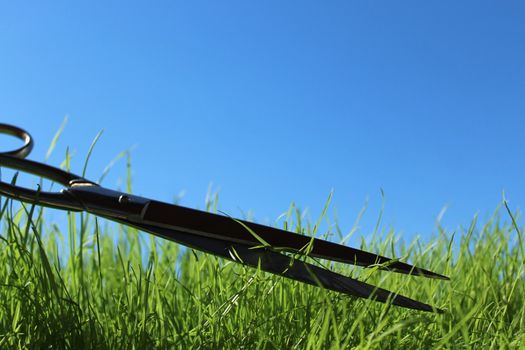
(276, 101)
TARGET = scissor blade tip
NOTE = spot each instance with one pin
(431, 275)
(428, 274)
(438, 276)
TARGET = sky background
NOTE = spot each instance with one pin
(274, 102)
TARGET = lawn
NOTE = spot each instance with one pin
(98, 285)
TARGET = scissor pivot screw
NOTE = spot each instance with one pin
(123, 199)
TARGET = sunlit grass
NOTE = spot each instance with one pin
(114, 287)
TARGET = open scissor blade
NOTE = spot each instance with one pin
(284, 265)
(239, 231)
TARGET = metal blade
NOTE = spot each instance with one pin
(233, 230)
(285, 266)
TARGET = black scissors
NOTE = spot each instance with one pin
(270, 249)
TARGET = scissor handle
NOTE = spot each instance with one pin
(23, 151)
(15, 160)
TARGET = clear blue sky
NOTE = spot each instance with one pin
(277, 101)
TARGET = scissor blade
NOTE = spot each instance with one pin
(285, 266)
(233, 230)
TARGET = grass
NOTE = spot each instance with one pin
(117, 288)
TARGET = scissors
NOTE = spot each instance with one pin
(267, 248)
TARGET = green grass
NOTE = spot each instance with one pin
(121, 289)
